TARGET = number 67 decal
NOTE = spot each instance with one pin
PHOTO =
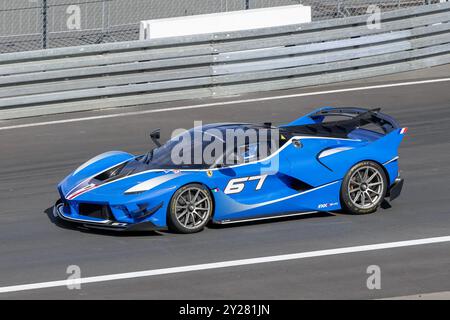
(237, 185)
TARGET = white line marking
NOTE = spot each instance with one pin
(226, 264)
(217, 104)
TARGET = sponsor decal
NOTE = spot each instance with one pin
(118, 224)
(327, 205)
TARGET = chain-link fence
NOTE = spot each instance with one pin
(36, 24)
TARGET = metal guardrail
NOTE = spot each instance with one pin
(215, 65)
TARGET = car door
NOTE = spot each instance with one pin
(248, 178)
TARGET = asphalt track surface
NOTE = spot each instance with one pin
(33, 249)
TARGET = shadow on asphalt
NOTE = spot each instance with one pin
(67, 225)
(272, 220)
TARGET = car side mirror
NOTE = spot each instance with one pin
(155, 136)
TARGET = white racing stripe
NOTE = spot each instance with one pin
(225, 264)
(218, 104)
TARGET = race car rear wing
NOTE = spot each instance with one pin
(315, 123)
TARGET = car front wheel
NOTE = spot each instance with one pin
(190, 209)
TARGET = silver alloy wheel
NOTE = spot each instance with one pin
(192, 207)
(365, 187)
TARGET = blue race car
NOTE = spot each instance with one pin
(331, 159)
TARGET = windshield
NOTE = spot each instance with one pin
(185, 151)
(213, 146)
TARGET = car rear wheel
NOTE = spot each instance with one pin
(364, 188)
(190, 209)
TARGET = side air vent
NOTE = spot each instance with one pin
(110, 173)
(331, 151)
(294, 183)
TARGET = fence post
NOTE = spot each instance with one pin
(339, 9)
(105, 21)
(247, 4)
(44, 24)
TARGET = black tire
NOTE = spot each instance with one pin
(190, 209)
(364, 188)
